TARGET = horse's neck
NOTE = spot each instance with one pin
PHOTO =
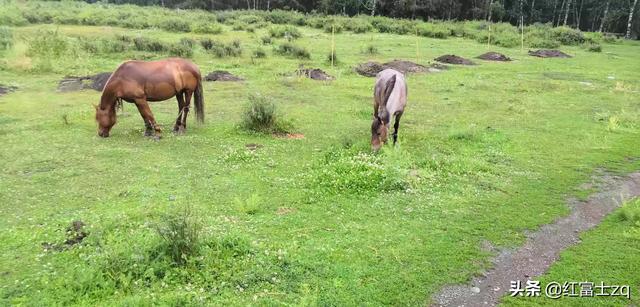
(108, 99)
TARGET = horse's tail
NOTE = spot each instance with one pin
(199, 101)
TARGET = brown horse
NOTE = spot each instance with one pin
(389, 99)
(139, 82)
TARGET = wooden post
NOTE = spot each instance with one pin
(333, 44)
(489, 39)
(522, 26)
(417, 47)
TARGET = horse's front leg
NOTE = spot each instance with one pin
(151, 127)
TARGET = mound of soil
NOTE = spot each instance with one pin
(494, 56)
(75, 234)
(544, 53)
(222, 75)
(95, 82)
(314, 73)
(454, 59)
(371, 69)
(6, 89)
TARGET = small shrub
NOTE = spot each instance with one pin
(536, 42)
(10, 16)
(6, 38)
(567, 36)
(174, 25)
(208, 43)
(180, 234)
(142, 43)
(433, 30)
(260, 116)
(188, 42)
(48, 44)
(290, 32)
(288, 49)
(371, 49)
(333, 28)
(266, 40)
(358, 25)
(180, 50)
(259, 53)
(610, 39)
(332, 56)
(207, 28)
(594, 47)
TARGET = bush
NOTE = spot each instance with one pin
(180, 235)
(180, 50)
(332, 56)
(188, 42)
(333, 27)
(610, 39)
(10, 16)
(594, 47)
(266, 40)
(567, 36)
(433, 30)
(536, 42)
(260, 116)
(208, 43)
(174, 25)
(207, 28)
(142, 43)
(221, 50)
(6, 38)
(259, 53)
(371, 49)
(288, 49)
(358, 25)
(289, 32)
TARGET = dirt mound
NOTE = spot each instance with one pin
(6, 89)
(75, 233)
(314, 73)
(371, 69)
(222, 75)
(544, 53)
(454, 59)
(95, 82)
(494, 56)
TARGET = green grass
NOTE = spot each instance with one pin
(485, 153)
(610, 253)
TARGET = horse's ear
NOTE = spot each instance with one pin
(389, 88)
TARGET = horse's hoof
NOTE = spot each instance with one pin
(179, 130)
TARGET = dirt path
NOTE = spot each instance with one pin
(542, 247)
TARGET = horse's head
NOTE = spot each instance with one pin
(378, 133)
(106, 118)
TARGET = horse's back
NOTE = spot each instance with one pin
(398, 99)
(157, 79)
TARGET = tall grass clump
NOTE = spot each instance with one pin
(175, 25)
(260, 115)
(10, 15)
(180, 236)
(287, 31)
(434, 30)
(358, 25)
(568, 36)
(142, 43)
(207, 28)
(291, 50)
(6, 38)
(50, 50)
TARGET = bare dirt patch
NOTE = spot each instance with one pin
(371, 69)
(253, 146)
(6, 89)
(75, 233)
(542, 247)
(454, 59)
(285, 210)
(545, 53)
(314, 73)
(222, 75)
(494, 56)
(94, 82)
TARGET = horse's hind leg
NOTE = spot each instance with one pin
(187, 104)
(180, 121)
(396, 125)
(151, 127)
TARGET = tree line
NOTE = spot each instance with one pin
(611, 16)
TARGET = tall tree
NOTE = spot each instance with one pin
(630, 22)
(566, 15)
(604, 17)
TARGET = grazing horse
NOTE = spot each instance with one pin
(139, 82)
(389, 99)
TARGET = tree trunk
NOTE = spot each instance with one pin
(579, 14)
(566, 15)
(373, 8)
(553, 17)
(560, 12)
(633, 8)
(268, 5)
(604, 17)
(490, 11)
(533, 8)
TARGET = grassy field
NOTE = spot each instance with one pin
(486, 152)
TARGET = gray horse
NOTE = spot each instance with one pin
(389, 99)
